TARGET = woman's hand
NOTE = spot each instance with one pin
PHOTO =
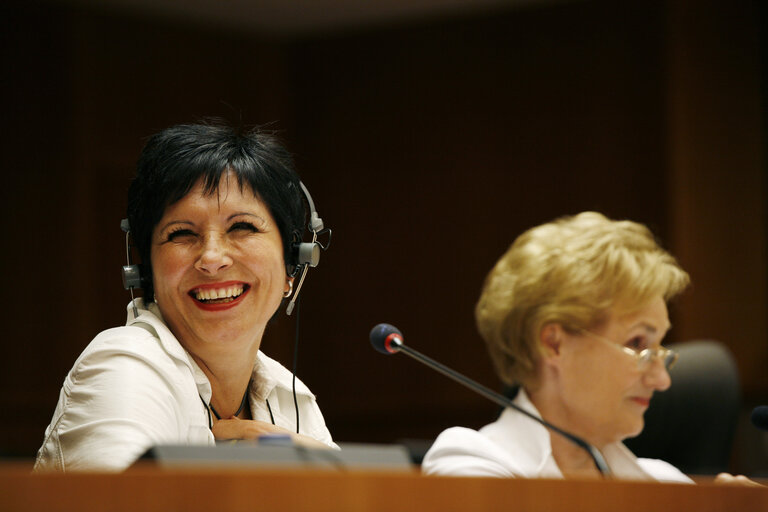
(235, 428)
(729, 479)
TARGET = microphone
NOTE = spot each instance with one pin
(760, 417)
(388, 339)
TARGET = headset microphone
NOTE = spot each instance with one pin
(388, 339)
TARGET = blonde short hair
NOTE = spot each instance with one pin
(570, 271)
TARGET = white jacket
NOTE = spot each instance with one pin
(517, 446)
(134, 387)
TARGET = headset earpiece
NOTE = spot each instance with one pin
(131, 272)
(307, 254)
(131, 277)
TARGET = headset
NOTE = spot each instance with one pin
(303, 254)
(307, 254)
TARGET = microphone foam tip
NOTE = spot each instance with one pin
(379, 335)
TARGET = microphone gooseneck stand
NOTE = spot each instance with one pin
(387, 339)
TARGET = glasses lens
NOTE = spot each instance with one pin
(667, 357)
(670, 358)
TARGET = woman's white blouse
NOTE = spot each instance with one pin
(516, 446)
(135, 386)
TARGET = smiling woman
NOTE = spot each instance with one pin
(215, 214)
(218, 268)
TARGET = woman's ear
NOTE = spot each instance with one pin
(551, 337)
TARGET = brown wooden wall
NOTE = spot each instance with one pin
(427, 147)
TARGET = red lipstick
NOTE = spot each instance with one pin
(219, 304)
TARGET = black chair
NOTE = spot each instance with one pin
(692, 424)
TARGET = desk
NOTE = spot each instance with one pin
(189, 490)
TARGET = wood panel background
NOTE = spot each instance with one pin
(427, 145)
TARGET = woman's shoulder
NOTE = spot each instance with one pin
(663, 471)
(125, 372)
(125, 349)
(460, 451)
(123, 394)
(126, 339)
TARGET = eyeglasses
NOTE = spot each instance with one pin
(644, 357)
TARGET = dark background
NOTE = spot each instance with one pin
(428, 144)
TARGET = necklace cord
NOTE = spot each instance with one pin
(239, 409)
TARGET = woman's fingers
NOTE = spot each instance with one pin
(729, 479)
(235, 428)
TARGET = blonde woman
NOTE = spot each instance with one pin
(574, 314)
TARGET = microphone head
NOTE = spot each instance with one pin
(760, 417)
(386, 338)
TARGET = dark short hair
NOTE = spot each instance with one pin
(176, 159)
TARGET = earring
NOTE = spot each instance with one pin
(287, 293)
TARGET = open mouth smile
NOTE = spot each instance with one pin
(216, 296)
